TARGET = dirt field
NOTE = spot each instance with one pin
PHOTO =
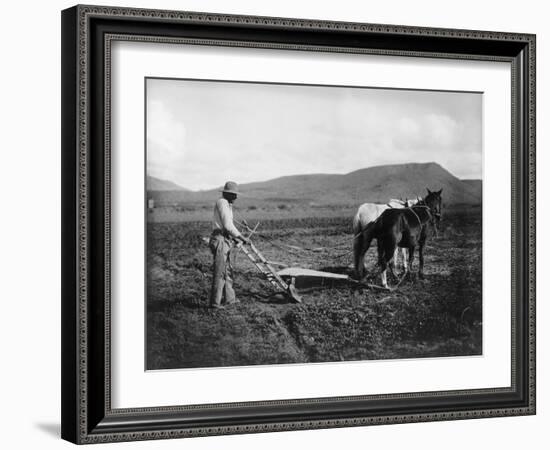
(337, 321)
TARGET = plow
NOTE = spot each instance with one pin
(284, 281)
(267, 270)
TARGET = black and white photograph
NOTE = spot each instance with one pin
(275, 225)
(295, 223)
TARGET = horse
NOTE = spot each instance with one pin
(404, 228)
(364, 218)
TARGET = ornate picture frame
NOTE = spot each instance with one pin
(87, 36)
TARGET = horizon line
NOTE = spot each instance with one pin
(311, 174)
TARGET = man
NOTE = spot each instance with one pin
(224, 234)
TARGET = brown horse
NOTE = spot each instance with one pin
(365, 217)
(405, 228)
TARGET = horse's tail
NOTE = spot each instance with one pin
(361, 244)
(356, 224)
(357, 244)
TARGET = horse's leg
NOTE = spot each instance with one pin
(386, 252)
(405, 257)
(363, 246)
(391, 266)
(384, 278)
(390, 251)
(411, 258)
(421, 259)
(358, 255)
(382, 262)
(394, 262)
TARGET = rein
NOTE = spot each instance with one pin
(416, 215)
(432, 215)
(294, 250)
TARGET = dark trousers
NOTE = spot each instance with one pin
(222, 270)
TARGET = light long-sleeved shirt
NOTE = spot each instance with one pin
(223, 218)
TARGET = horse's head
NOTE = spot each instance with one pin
(433, 201)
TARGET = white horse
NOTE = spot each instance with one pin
(366, 215)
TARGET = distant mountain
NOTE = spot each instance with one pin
(374, 184)
(156, 184)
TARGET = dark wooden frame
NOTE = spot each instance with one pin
(87, 31)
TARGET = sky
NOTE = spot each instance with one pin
(203, 133)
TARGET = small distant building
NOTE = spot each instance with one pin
(151, 204)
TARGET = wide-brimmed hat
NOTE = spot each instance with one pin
(231, 188)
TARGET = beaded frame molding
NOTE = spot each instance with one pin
(87, 35)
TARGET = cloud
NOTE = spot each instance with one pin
(166, 141)
(200, 134)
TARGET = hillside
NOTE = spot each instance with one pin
(374, 184)
(474, 186)
(156, 184)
